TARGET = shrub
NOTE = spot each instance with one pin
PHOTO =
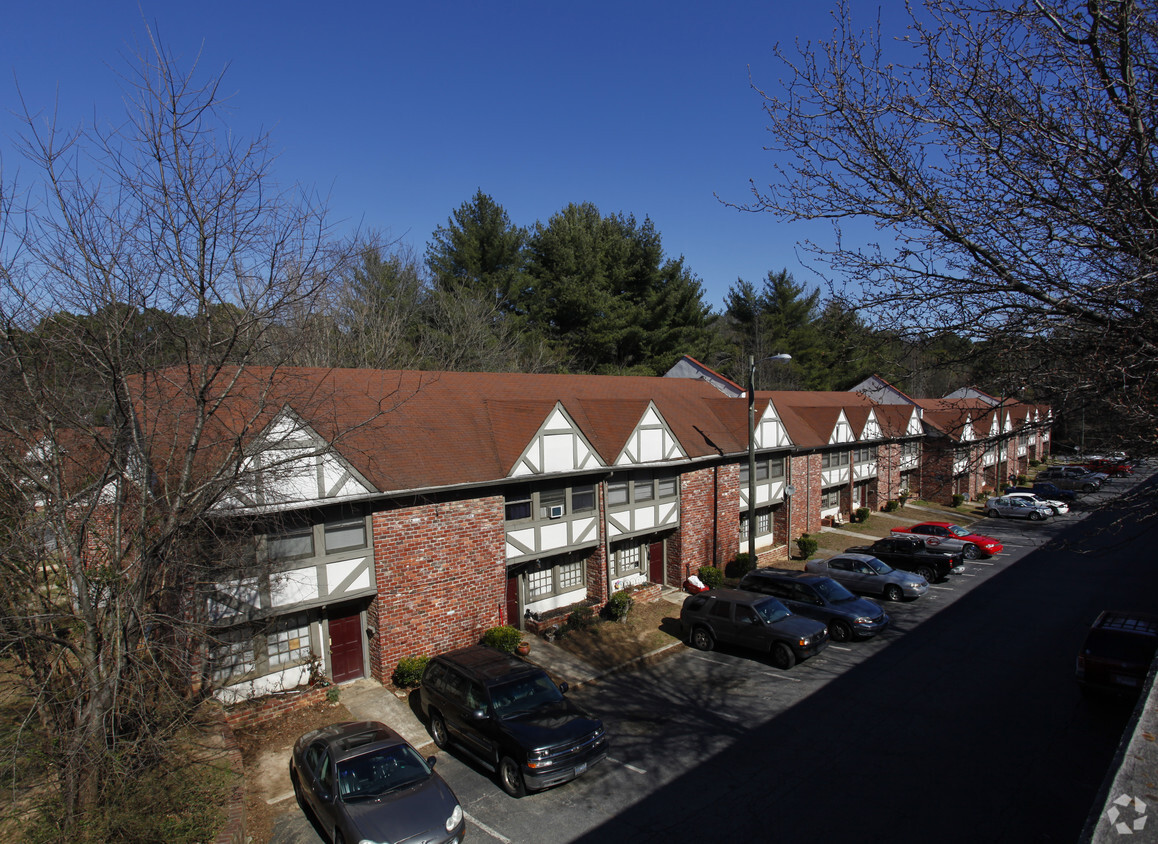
(333, 692)
(740, 566)
(862, 514)
(807, 546)
(1021, 480)
(505, 638)
(580, 618)
(1034, 463)
(408, 672)
(958, 499)
(712, 576)
(619, 606)
(891, 505)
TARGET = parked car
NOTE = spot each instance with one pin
(1066, 478)
(1045, 489)
(913, 553)
(865, 573)
(975, 543)
(1117, 652)
(1110, 466)
(511, 717)
(816, 596)
(1056, 507)
(1017, 507)
(363, 782)
(751, 620)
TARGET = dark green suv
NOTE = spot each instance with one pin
(511, 717)
(752, 621)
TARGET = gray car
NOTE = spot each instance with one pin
(865, 573)
(364, 782)
(1016, 507)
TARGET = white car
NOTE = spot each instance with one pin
(1059, 508)
(1017, 508)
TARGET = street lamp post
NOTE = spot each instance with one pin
(781, 358)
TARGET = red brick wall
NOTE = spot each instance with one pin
(709, 531)
(263, 709)
(806, 502)
(441, 572)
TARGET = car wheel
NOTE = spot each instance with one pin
(993, 514)
(782, 656)
(838, 631)
(971, 552)
(927, 573)
(438, 730)
(1036, 516)
(1089, 488)
(511, 778)
(893, 593)
(702, 639)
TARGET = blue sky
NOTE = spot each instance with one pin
(398, 113)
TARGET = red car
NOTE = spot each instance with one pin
(974, 544)
(1113, 468)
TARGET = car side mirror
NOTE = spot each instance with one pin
(430, 760)
(478, 714)
(563, 687)
(324, 794)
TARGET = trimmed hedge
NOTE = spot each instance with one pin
(504, 638)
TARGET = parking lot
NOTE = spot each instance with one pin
(960, 722)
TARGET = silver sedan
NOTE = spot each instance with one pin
(1017, 508)
(865, 573)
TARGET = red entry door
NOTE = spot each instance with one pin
(513, 618)
(655, 562)
(346, 648)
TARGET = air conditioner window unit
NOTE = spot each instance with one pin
(557, 511)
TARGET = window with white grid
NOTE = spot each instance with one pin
(540, 583)
(570, 576)
(232, 657)
(289, 642)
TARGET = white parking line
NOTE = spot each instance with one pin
(781, 677)
(278, 798)
(713, 661)
(486, 828)
(943, 588)
(979, 563)
(839, 648)
(629, 767)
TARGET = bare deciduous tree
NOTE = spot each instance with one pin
(159, 246)
(1007, 155)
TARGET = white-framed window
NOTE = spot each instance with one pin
(232, 655)
(830, 498)
(628, 558)
(548, 580)
(288, 641)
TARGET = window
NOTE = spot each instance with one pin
(776, 467)
(834, 459)
(291, 544)
(518, 504)
(668, 486)
(743, 528)
(552, 503)
(344, 535)
(583, 498)
(830, 498)
(865, 455)
(644, 490)
(551, 580)
(763, 522)
(289, 641)
(628, 559)
(233, 656)
(617, 493)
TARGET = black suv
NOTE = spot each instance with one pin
(822, 598)
(754, 621)
(510, 716)
(1117, 652)
(911, 553)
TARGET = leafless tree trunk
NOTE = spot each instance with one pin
(1007, 157)
(160, 245)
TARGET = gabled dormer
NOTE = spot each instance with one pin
(842, 431)
(769, 432)
(290, 463)
(651, 441)
(558, 446)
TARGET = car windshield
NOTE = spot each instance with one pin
(878, 566)
(378, 772)
(833, 592)
(524, 695)
(772, 610)
(957, 530)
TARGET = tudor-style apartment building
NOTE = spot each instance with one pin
(411, 511)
